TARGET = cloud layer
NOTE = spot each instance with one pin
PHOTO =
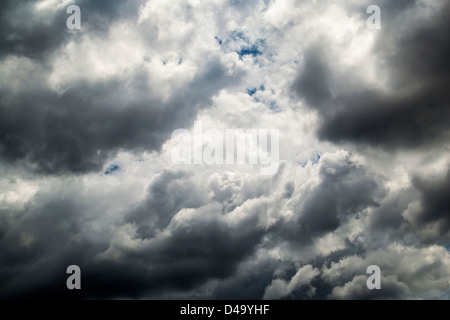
(87, 179)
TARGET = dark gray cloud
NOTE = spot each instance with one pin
(249, 283)
(387, 221)
(184, 240)
(80, 129)
(435, 206)
(196, 251)
(41, 240)
(37, 34)
(416, 111)
(166, 196)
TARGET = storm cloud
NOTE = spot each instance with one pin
(87, 179)
(413, 112)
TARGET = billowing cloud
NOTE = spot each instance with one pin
(86, 118)
(411, 112)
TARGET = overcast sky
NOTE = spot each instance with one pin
(86, 176)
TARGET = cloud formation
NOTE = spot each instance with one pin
(412, 112)
(86, 118)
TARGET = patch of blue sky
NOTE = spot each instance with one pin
(112, 168)
(252, 91)
(252, 50)
(237, 41)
